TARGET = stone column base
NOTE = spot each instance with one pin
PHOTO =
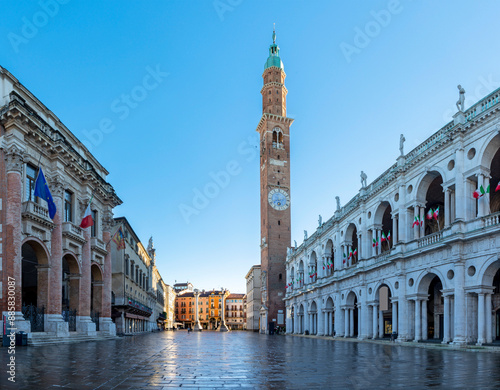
(84, 325)
(223, 328)
(197, 327)
(107, 326)
(21, 325)
(55, 323)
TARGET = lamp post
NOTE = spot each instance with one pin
(197, 326)
(223, 327)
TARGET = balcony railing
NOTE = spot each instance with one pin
(430, 239)
(492, 219)
(36, 210)
(71, 228)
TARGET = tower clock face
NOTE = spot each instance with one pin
(278, 199)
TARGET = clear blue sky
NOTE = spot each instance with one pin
(350, 103)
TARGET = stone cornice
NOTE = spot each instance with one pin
(272, 117)
(54, 144)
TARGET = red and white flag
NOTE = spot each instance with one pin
(87, 220)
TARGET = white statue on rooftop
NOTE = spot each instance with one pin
(402, 140)
(320, 220)
(337, 198)
(363, 179)
(461, 98)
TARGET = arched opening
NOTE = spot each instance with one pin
(386, 236)
(495, 302)
(329, 262)
(277, 138)
(34, 283)
(383, 320)
(300, 276)
(431, 313)
(329, 318)
(96, 294)
(313, 267)
(70, 283)
(488, 327)
(351, 246)
(433, 215)
(351, 313)
(494, 182)
(70, 290)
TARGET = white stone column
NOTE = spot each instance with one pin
(489, 318)
(374, 237)
(351, 322)
(446, 320)
(346, 322)
(375, 321)
(418, 320)
(320, 322)
(340, 330)
(422, 219)
(296, 322)
(403, 311)
(480, 319)
(459, 320)
(447, 208)
(424, 319)
(359, 320)
(394, 229)
(481, 201)
(395, 316)
(197, 326)
(416, 230)
(381, 324)
(460, 194)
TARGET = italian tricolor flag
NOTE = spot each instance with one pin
(480, 192)
(345, 258)
(498, 187)
(435, 215)
(429, 214)
(87, 220)
(416, 222)
(383, 237)
(389, 236)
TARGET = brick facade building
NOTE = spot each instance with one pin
(62, 273)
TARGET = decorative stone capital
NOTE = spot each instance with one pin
(107, 221)
(14, 158)
(57, 185)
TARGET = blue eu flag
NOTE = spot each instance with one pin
(42, 191)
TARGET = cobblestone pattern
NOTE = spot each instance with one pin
(210, 360)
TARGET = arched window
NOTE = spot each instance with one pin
(277, 138)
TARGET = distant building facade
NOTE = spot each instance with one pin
(253, 298)
(62, 273)
(180, 287)
(235, 311)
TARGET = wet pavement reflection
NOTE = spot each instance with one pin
(243, 359)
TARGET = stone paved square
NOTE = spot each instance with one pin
(213, 360)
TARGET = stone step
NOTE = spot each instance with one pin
(45, 338)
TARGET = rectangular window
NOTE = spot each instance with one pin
(94, 228)
(31, 172)
(68, 206)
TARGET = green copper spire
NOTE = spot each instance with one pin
(274, 55)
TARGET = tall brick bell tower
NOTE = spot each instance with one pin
(274, 130)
